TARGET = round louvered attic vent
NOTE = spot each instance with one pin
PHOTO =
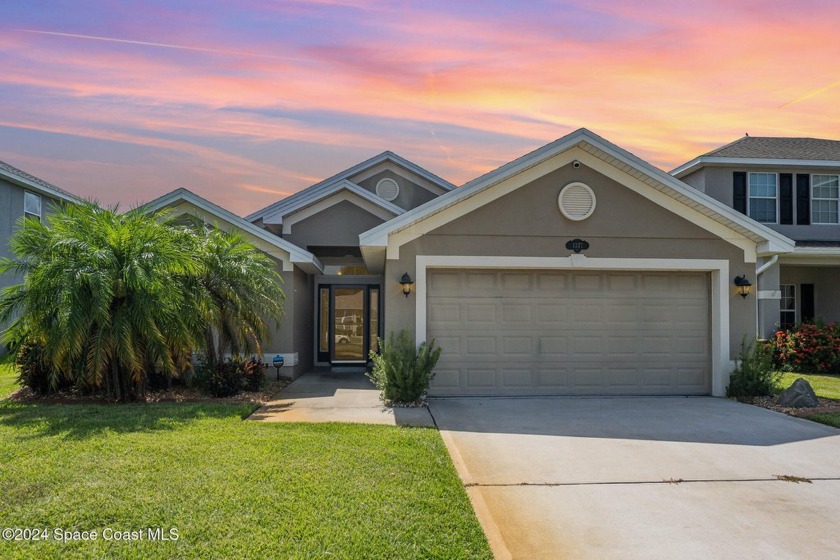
(387, 189)
(576, 201)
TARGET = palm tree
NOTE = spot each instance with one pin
(239, 292)
(104, 292)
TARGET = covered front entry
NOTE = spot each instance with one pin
(533, 332)
(348, 322)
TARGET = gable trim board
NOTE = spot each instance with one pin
(384, 242)
(322, 187)
(345, 190)
(721, 366)
(290, 255)
(32, 183)
(696, 163)
(433, 187)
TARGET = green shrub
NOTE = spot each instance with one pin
(401, 370)
(253, 372)
(233, 375)
(34, 373)
(754, 375)
(808, 348)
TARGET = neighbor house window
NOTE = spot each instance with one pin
(824, 197)
(787, 305)
(762, 188)
(32, 205)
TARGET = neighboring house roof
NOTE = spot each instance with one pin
(24, 179)
(310, 196)
(297, 256)
(412, 224)
(329, 185)
(761, 150)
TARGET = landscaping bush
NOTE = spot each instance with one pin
(34, 373)
(808, 348)
(754, 375)
(401, 370)
(230, 377)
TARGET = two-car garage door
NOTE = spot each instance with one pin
(513, 332)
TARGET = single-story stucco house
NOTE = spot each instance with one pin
(576, 269)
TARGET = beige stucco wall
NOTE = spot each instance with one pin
(411, 194)
(338, 225)
(294, 332)
(527, 222)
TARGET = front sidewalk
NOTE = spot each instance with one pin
(337, 397)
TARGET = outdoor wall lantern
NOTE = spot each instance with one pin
(744, 286)
(406, 282)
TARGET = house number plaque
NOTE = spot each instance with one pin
(577, 245)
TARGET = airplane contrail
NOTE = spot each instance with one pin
(811, 94)
(152, 44)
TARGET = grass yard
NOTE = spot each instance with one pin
(826, 386)
(231, 489)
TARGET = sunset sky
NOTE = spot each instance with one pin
(246, 102)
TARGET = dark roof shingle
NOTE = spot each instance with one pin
(8, 169)
(762, 147)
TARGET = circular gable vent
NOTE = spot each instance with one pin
(387, 189)
(576, 201)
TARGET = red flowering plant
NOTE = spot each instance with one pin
(808, 348)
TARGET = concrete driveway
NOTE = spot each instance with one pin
(645, 477)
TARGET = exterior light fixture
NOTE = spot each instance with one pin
(744, 286)
(406, 282)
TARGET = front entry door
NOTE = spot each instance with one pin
(348, 318)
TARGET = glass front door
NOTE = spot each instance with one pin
(348, 323)
(349, 320)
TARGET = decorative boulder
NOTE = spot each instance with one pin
(798, 395)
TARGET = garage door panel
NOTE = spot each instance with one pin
(517, 313)
(480, 346)
(517, 377)
(546, 332)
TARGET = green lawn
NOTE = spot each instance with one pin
(827, 386)
(232, 489)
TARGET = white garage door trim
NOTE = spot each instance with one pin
(719, 269)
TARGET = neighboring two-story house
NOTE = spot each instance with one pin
(22, 194)
(791, 185)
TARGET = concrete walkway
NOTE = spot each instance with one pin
(645, 478)
(337, 397)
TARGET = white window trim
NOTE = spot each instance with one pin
(721, 294)
(795, 302)
(750, 197)
(813, 198)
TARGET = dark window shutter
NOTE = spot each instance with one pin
(807, 293)
(803, 199)
(739, 191)
(785, 198)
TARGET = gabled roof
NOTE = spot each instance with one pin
(762, 150)
(24, 179)
(297, 256)
(409, 225)
(329, 185)
(310, 196)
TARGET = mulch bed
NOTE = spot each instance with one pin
(176, 394)
(825, 406)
